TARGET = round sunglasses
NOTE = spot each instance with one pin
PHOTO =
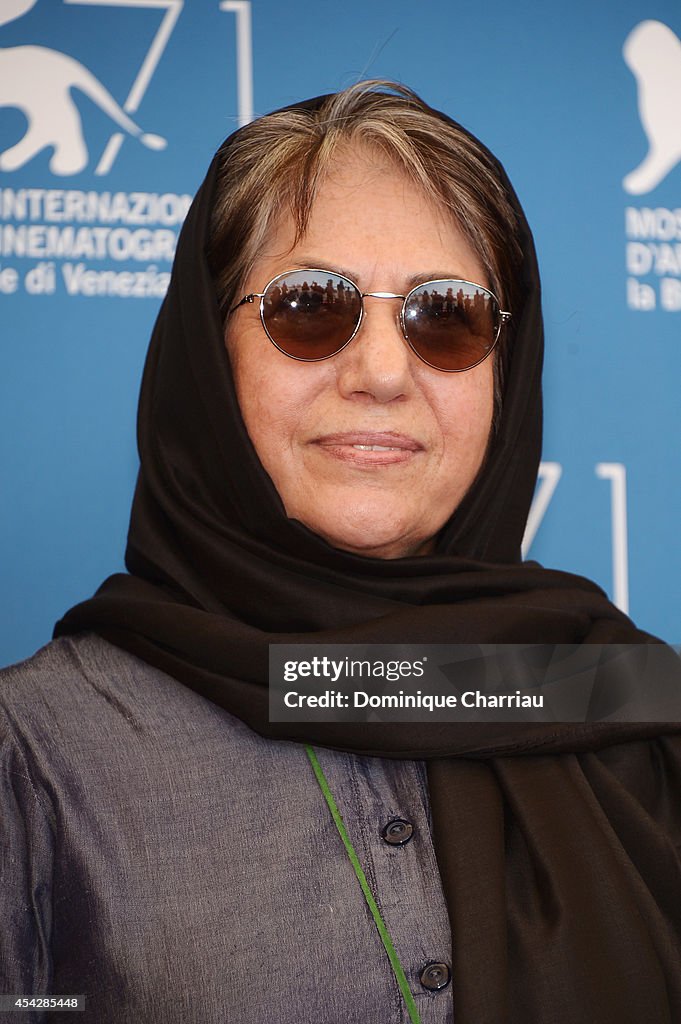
(312, 314)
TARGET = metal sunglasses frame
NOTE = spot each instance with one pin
(503, 315)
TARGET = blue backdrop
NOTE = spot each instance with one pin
(109, 113)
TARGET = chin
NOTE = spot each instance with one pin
(375, 543)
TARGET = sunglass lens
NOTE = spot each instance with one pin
(311, 314)
(452, 325)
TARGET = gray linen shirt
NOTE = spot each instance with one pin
(161, 858)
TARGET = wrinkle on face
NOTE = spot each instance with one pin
(372, 224)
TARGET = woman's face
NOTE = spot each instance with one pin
(310, 423)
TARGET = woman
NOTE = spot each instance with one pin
(360, 478)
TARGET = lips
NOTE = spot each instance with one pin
(373, 448)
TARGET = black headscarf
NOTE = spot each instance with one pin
(560, 872)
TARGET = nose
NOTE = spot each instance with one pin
(377, 364)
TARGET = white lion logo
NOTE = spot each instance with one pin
(38, 82)
(653, 53)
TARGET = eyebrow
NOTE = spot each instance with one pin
(311, 263)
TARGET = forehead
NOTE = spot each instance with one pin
(371, 222)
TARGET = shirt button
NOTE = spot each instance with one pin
(435, 976)
(398, 832)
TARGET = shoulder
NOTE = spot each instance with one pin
(65, 665)
(80, 679)
(69, 669)
(85, 674)
(80, 704)
(40, 696)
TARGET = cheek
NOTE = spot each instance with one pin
(271, 398)
(260, 404)
(465, 415)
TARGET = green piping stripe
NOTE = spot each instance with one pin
(371, 902)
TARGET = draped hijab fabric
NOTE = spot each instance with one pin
(558, 845)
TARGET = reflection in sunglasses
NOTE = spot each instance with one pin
(451, 325)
